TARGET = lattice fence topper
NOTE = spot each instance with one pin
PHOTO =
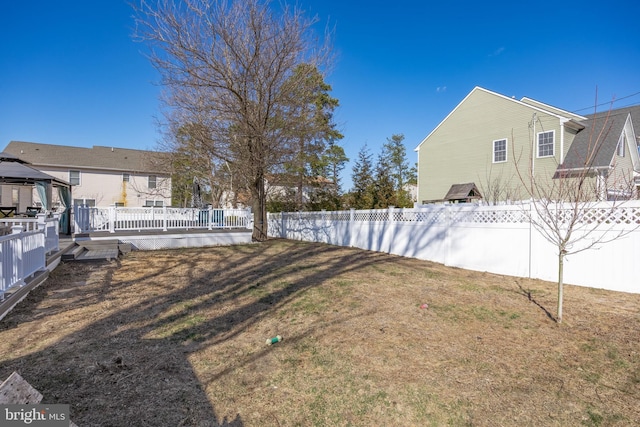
(486, 216)
(372, 215)
(602, 213)
(340, 216)
(311, 216)
(596, 215)
(429, 217)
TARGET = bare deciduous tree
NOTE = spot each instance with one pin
(229, 68)
(497, 187)
(577, 209)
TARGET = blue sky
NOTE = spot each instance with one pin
(70, 73)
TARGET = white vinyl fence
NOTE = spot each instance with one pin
(496, 239)
(21, 255)
(112, 219)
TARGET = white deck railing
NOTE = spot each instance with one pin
(114, 219)
(21, 255)
(50, 226)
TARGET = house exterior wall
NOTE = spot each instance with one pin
(107, 188)
(460, 149)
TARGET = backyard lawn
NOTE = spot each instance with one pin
(178, 338)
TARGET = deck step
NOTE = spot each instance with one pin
(124, 248)
(72, 254)
(98, 254)
(92, 250)
(99, 244)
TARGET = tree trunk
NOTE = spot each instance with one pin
(259, 212)
(560, 285)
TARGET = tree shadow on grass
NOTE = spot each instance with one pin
(527, 293)
(121, 363)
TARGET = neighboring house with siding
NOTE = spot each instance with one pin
(500, 143)
(101, 176)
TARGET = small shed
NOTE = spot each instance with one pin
(463, 193)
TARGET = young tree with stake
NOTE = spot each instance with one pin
(574, 210)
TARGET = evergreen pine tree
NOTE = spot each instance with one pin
(363, 181)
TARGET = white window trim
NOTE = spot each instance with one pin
(506, 150)
(553, 133)
(85, 200)
(79, 176)
(154, 203)
(155, 182)
(621, 149)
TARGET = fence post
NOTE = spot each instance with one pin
(42, 226)
(18, 255)
(532, 212)
(164, 217)
(326, 227)
(112, 219)
(209, 217)
(283, 232)
(249, 219)
(392, 229)
(447, 233)
(41, 222)
(352, 218)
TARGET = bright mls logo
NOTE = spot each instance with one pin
(34, 415)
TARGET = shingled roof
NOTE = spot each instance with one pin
(600, 138)
(97, 157)
(463, 192)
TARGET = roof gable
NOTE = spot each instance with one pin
(596, 144)
(530, 104)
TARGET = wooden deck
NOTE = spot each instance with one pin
(172, 239)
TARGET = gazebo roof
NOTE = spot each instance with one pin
(13, 170)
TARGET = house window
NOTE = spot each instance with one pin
(119, 205)
(621, 144)
(153, 203)
(545, 144)
(152, 181)
(74, 177)
(125, 177)
(89, 202)
(500, 151)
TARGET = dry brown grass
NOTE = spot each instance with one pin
(178, 338)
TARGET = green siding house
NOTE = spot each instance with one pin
(500, 145)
